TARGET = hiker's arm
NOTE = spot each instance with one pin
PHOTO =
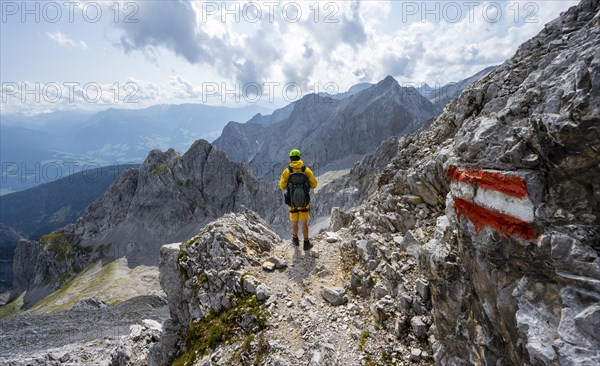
(311, 178)
(283, 180)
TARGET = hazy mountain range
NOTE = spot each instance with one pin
(39, 149)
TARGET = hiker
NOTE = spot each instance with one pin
(298, 180)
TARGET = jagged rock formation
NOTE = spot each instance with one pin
(204, 275)
(333, 133)
(534, 274)
(24, 260)
(169, 198)
(498, 202)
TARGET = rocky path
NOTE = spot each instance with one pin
(306, 329)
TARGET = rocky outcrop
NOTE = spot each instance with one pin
(41, 267)
(332, 133)
(205, 275)
(497, 202)
(533, 256)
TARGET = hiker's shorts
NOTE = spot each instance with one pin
(299, 213)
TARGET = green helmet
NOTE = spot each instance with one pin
(295, 153)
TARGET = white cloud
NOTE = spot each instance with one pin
(65, 41)
(366, 42)
(349, 50)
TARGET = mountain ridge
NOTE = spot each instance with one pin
(329, 130)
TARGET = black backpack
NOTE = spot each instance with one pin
(298, 189)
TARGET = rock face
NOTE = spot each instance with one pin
(333, 133)
(278, 115)
(534, 263)
(9, 240)
(206, 274)
(439, 97)
(498, 202)
(170, 198)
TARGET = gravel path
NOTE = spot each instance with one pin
(304, 329)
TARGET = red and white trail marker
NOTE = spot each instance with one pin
(495, 199)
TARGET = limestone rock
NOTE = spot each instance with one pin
(263, 292)
(279, 263)
(335, 295)
(219, 256)
(268, 266)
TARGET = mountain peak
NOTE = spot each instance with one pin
(388, 79)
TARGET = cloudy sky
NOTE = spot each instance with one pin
(94, 54)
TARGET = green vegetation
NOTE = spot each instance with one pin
(247, 342)
(369, 361)
(386, 359)
(202, 279)
(262, 349)
(200, 282)
(361, 180)
(182, 257)
(225, 327)
(190, 242)
(57, 243)
(362, 341)
(471, 100)
(160, 169)
(13, 308)
(477, 107)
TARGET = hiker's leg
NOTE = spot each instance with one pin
(294, 219)
(304, 229)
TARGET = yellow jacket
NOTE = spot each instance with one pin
(297, 166)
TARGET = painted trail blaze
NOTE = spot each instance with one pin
(493, 199)
(511, 185)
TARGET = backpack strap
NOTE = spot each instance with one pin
(292, 169)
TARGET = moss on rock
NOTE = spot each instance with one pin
(231, 325)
